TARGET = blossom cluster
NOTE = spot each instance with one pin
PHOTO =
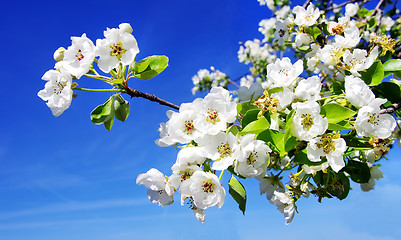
(118, 48)
(209, 147)
(324, 115)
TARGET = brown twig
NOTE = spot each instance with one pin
(392, 108)
(153, 98)
(342, 4)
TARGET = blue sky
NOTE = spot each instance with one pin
(65, 178)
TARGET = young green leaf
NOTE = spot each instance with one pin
(121, 108)
(393, 65)
(256, 127)
(150, 67)
(336, 113)
(237, 191)
(103, 112)
(374, 74)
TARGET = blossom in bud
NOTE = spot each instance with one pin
(307, 122)
(117, 47)
(302, 39)
(79, 56)
(125, 27)
(160, 191)
(57, 91)
(306, 17)
(370, 121)
(254, 157)
(205, 190)
(357, 92)
(59, 54)
(330, 146)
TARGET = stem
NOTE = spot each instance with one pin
(99, 77)
(332, 96)
(342, 4)
(135, 93)
(98, 90)
(221, 174)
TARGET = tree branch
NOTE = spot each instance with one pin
(392, 108)
(153, 98)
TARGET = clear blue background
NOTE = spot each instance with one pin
(65, 178)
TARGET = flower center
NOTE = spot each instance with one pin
(326, 142)
(57, 89)
(373, 118)
(79, 55)
(213, 116)
(251, 159)
(208, 186)
(224, 150)
(189, 127)
(187, 173)
(336, 53)
(265, 103)
(281, 32)
(284, 72)
(307, 121)
(117, 50)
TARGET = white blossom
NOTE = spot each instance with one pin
(283, 73)
(254, 157)
(330, 146)
(222, 148)
(269, 184)
(386, 22)
(375, 174)
(351, 9)
(205, 190)
(117, 47)
(281, 34)
(357, 92)
(57, 91)
(285, 204)
(307, 122)
(285, 98)
(370, 121)
(302, 39)
(160, 191)
(58, 55)
(308, 89)
(359, 61)
(306, 17)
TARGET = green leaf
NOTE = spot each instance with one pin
(373, 75)
(363, 12)
(103, 112)
(121, 108)
(302, 158)
(273, 138)
(109, 123)
(154, 66)
(355, 142)
(388, 90)
(342, 125)
(233, 129)
(339, 185)
(359, 171)
(304, 48)
(244, 107)
(337, 87)
(256, 126)
(275, 90)
(237, 191)
(250, 116)
(316, 32)
(336, 113)
(372, 23)
(393, 65)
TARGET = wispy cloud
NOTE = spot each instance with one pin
(74, 206)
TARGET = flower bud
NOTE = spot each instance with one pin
(125, 27)
(59, 54)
